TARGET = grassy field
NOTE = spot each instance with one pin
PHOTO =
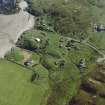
(15, 85)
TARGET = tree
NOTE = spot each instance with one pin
(70, 20)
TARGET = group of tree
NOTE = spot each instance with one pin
(68, 17)
(71, 19)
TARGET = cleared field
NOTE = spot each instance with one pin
(16, 88)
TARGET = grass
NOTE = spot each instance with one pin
(43, 74)
(16, 88)
(98, 40)
(36, 58)
(54, 42)
(70, 76)
(64, 85)
(71, 73)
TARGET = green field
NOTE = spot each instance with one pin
(16, 88)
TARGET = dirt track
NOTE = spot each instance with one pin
(11, 27)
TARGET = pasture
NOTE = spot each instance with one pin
(16, 88)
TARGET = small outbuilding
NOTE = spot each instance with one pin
(82, 63)
(71, 44)
(98, 28)
(61, 45)
(29, 63)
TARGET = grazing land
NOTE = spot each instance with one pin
(15, 85)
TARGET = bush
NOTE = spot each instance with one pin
(69, 20)
(29, 41)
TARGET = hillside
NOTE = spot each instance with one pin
(74, 19)
(61, 60)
